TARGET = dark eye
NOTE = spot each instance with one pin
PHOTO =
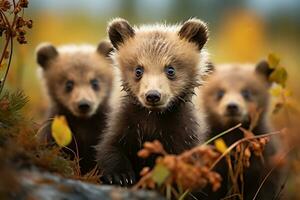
(220, 94)
(170, 71)
(95, 84)
(69, 86)
(139, 72)
(246, 94)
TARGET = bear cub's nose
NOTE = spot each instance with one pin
(232, 108)
(153, 96)
(84, 106)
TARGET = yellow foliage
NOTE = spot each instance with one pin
(220, 145)
(61, 131)
(279, 76)
(273, 60)
(278, 91)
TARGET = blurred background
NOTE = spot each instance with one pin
(241, 31)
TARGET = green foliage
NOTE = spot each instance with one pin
(10, 112)
(10, 107)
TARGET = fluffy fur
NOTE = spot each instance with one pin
(155, 52)
(227, 97)
(78, 81)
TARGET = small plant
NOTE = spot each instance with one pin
(12, 25)
(177, 175)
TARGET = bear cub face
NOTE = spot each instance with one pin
(77, 77)
(233, 90)
(159, 64)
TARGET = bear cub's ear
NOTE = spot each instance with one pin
(105, 48)
(45, 52)
(119, 30)
(195, 31)
(264, 69)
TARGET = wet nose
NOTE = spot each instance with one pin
(84, 106)
(232, 108)
(153, 96)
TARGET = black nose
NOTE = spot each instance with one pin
(84, 106)
(153, 96)
(232, 108)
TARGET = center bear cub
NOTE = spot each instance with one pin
(231, 93)
(160, 66)
(78, 80)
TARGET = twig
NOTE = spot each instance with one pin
(8, 65)
(281, 188)
(241, 141)
(269, 173)
(142, 180)
(184, 194)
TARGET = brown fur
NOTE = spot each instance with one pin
(80, 64)
(173, 120)
(233, 79)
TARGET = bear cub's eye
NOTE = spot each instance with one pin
(220, 93)
(95, 84)
(246, 94)
(170, 71)
(69, 86)
(139, 72)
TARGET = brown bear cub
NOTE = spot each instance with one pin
(160, 66)
(78, 80)
(228, 96)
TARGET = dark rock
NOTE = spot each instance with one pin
(46, 186)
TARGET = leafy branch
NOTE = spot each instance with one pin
(12, 25)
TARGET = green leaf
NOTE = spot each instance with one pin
(160, 173)
(273, 60)
(279, 76)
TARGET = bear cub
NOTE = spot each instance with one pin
(231, 93)
(160, 66)
(78, 81)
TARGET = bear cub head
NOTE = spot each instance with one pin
(234, 90)
(159, 64)
(78, 78)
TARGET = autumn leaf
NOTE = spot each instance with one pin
(220, 145)
(61, 131)
(273, 60)
(160, 173)
(279, 76)
(276, 91)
